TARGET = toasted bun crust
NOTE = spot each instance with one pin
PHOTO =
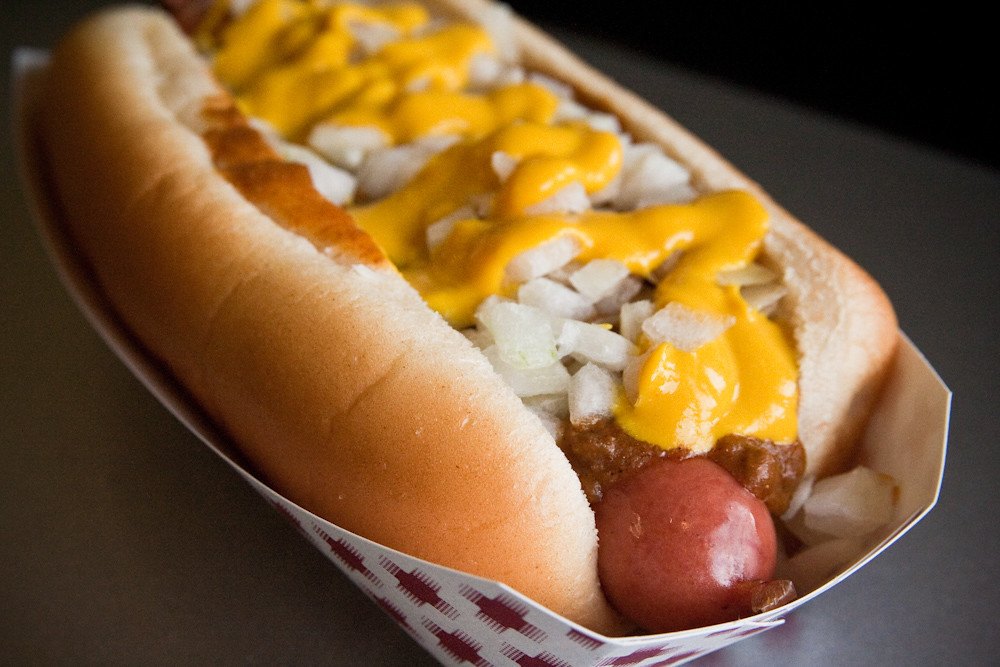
(307, 357)
(844, 326)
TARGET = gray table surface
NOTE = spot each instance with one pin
(123, 540)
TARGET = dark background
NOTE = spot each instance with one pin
(922, 74)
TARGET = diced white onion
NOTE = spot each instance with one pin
(569, 109)
(559, 88)
(542, 259)
(238, 8)
(556, 405)
(632, 373)
(685, 328)
(598, 277)
(764, 297)
(610, 304)
(751, 274)
(607, 195)
(650, 177)
(591, 394)
(345, 146)
(570, 199)
(523, 335)
(666, 266)
(799, 497)
(485, 70)
(594, 343)
(632, 316)
(851, 504)
(385, 170)
(503, 164)
(562, 274)
(603, 122)
(551, 379)
(555, 299)
(545, 345)
(439, 230)
(371, 36)
(336, 185)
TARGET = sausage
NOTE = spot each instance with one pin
(682, 545)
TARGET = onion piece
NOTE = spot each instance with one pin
(556, 405)
(632, 372)
(591, 394)
(799, 497)
(649, 177)
(751, 274)
(238, 8)
(685, 328)
(503, 164)
(336, 185)
(593, 343)
(611, 303)
(485, 71)
(851, 504)
(631, 317)
(570, 199)
(598, 277)
(555, 299)
(371, 36)
(439, 230)
(542, 259)
(555, 86)
(763, 298)
(386, 170)
(551, 379)
(523, 335)
(344, 145)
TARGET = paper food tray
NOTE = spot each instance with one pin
(456, 617)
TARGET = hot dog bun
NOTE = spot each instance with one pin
(358, 402)
(348, 394)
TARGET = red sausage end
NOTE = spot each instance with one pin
(683, 545)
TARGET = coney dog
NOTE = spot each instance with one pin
(335, 338)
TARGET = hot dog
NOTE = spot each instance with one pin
(325, 333)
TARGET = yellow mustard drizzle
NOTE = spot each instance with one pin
(743, 381)
(550, 157)
(308, 72)
(441, 113)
